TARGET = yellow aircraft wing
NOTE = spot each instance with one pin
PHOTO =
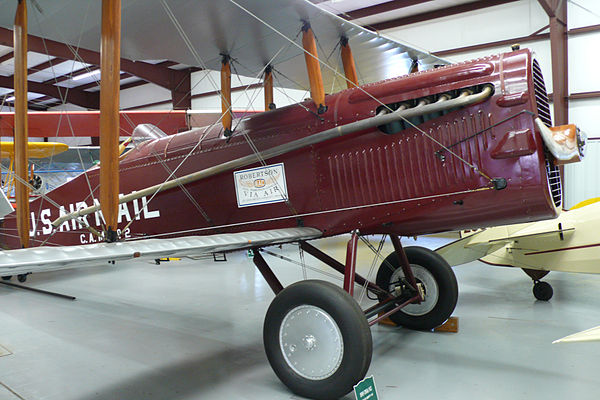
(35, 149)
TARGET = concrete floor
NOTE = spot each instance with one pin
(192, 329)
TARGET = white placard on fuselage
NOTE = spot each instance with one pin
(261, 185)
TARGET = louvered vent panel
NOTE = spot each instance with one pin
(541, 98)
(408, 167)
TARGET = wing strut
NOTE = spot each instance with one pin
(226, 117)
(268, 86)
(110, 59)
(348, 63)
(317, 92)
(21, 187)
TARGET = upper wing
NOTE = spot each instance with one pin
(35, 149)
(252, 32)
(45, 258)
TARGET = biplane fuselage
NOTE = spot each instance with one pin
(369, 180)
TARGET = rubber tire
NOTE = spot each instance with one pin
(22, 278)
(444, 277)
(356, 334)
(7, 278)
(542, 291)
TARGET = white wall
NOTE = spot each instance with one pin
(582, 180)
(523, 18)
(145, 94)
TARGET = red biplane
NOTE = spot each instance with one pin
(453, 147)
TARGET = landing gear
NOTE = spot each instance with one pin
(22, 277)
(316, 336)
(317, 339)
(542, 291)
(436, 281)
(7, 278)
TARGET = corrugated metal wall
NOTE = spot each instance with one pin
(582, 180)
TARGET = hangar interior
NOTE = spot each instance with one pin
(192, 328)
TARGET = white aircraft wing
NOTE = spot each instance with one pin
(487, 241)
(467, 249)
(49, 258)
(590, 335)
(252, 32)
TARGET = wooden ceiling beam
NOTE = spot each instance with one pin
(159, 75)
(133, 84)
(42, 66)
(97, 83)
(73, 95)
(508, 42)
(70, 75)
(445, 12)
(549, 6)
(380, 8)
(7, 56)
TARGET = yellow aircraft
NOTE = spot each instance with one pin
(35, 150)
(568, 243)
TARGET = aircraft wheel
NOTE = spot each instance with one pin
(542, 291)
(22, 278)
(317, 339)
(7, 278)
(438, 282)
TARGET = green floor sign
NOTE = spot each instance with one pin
(365, 389)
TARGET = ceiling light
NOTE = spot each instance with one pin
(86, 75)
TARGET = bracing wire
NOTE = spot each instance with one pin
(421, 131)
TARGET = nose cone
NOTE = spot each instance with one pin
(565, 142)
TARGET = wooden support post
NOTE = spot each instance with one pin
(226, 113)
(557, 14)
(560, 66)
(181, 95)
(348, 63)
(110, 57)
(21, 135)
(268, 85)
(317, 91)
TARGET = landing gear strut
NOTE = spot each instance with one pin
(316, 336)
(433, 278)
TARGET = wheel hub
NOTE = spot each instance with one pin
(311, 342)
(426, 285)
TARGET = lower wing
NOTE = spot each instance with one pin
(47, 258)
